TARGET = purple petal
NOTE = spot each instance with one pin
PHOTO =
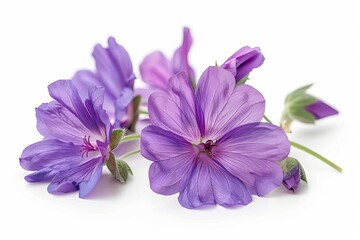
(121, 106)
(155, 70)
(180, 59)
(292, 180)
(173, 159)
(114, 67)
(45, 174)
(48, 153)
(87, 112)
(225, 106)
(243, 62)
(251, 153)
(83, 80)
(213, 91)
(174, 110)
(211, 184)
(69, 180)
(56, 121)
(144, 94)
(85, 187)
(321, 110)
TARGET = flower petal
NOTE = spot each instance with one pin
(212, 184)
(48, 153)
(174, 110)
(173, 158)
(180, 59)
(224, 105)
(155, 70)
(243, 62)
(114, 67)
(70, 180)
(321, 110)
(251, 153)
(57, 122)
(67, 95)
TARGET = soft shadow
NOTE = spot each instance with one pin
(282, 191)
(318, 129)
(107, 188)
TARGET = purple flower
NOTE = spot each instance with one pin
(76, 140)
(209, 145)
(320, 109)
(293, 173)
(241, 63)
(156, 69)
(115, 74)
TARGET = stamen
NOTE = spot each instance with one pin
(87, 147)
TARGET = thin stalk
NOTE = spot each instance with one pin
(131, 137)
(143, 112)
(267, 119)
(129, 154)
(315, 154)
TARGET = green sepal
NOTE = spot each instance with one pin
(135, 104)
(122, 171)
(116, 136)
(301, 115)
(111, 163)
(118, 168)
(302, 174)
(243, 80)
(288, 164)
(296, 93)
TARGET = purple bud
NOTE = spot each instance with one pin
(293, 173)
(241, 63)
(321, 110)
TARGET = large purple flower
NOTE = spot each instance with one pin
(115, 74)
(76, 140)
(209, 145)
(156, 69)
(241, 63)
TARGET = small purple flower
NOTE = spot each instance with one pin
(241, 63)
(156, 69)
(209, 145)
(76, 140)
(293, 173)
(115, 74)
(321, 110)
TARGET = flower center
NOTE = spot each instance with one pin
(87, 147)
(207, 146)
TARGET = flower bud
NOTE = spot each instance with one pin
(305, 108)
(293, 173)
(241, 63)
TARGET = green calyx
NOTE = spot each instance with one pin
(118, 168)
(116, 136)
(289, 164)
(295, 104)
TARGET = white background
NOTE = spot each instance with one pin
(303, 42)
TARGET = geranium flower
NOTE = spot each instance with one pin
(77, 134)
(293, 173)
(115, 74)
(156, 69)
(241, 63)
(209, 145)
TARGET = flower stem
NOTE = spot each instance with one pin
(267, 119)
(129, 154)
(315, 154)
(143, 112)
(311, 152)
(131, 137)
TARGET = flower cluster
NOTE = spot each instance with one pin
(206, 139)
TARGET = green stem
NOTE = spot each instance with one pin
(131, 137)
(267, 119)
(129, 154)
(311, 152)
(143, 112)
(315, 154)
